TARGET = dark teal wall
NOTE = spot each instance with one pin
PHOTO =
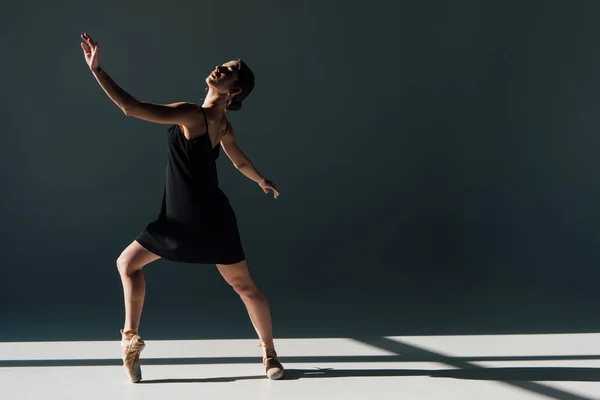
(428, 144)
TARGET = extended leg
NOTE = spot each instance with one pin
(238, 276)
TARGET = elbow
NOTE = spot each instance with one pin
(129, 109)
(241, 164)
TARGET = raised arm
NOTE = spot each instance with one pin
(184, 113)
(243, 163)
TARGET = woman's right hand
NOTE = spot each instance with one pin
(91, 52)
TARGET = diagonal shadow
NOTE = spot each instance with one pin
(509, 376)
(524, 374)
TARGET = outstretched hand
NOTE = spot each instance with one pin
(266, 185)
(91, 52)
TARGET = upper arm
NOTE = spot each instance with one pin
(230, 147)
(183, 113)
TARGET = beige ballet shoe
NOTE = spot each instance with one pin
(273, 367)
(132, 345)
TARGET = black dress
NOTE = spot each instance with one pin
(196, 223)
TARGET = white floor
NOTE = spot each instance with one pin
(507, 367)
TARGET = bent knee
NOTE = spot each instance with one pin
(126, 267)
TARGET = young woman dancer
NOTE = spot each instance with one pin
(196, 223)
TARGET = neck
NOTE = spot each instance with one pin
(216, 101)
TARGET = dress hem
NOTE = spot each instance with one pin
(166, 256)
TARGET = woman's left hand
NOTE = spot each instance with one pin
(266, 185)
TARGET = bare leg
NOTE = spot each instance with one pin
(238, 276)
(130, 264)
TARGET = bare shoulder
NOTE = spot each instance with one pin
(186, 104)
(183, 112)
(195, 111)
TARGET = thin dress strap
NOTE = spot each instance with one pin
(205, 120)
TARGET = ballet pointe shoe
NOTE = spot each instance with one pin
(132, 345)
(273, 367)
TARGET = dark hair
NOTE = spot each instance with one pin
(245, 81)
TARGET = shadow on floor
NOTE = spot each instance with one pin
(493, 374)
